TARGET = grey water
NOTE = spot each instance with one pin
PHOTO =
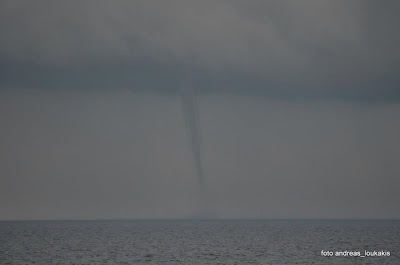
(196, 241)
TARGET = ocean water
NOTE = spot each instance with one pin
(197, 242)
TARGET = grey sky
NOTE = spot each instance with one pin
(310, 48)
(298, 104)
(121, 154)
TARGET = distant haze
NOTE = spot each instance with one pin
(125, 155)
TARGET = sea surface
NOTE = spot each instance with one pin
(197, 242)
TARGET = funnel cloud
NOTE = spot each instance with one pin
(190, 109)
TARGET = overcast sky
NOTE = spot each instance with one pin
(298, 103)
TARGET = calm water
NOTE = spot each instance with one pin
(196, 242)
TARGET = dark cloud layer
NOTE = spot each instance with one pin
(346, 49)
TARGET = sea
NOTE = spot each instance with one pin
(200, 242)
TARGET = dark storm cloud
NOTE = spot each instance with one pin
(289, 48)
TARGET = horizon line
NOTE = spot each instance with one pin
(203, 219)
